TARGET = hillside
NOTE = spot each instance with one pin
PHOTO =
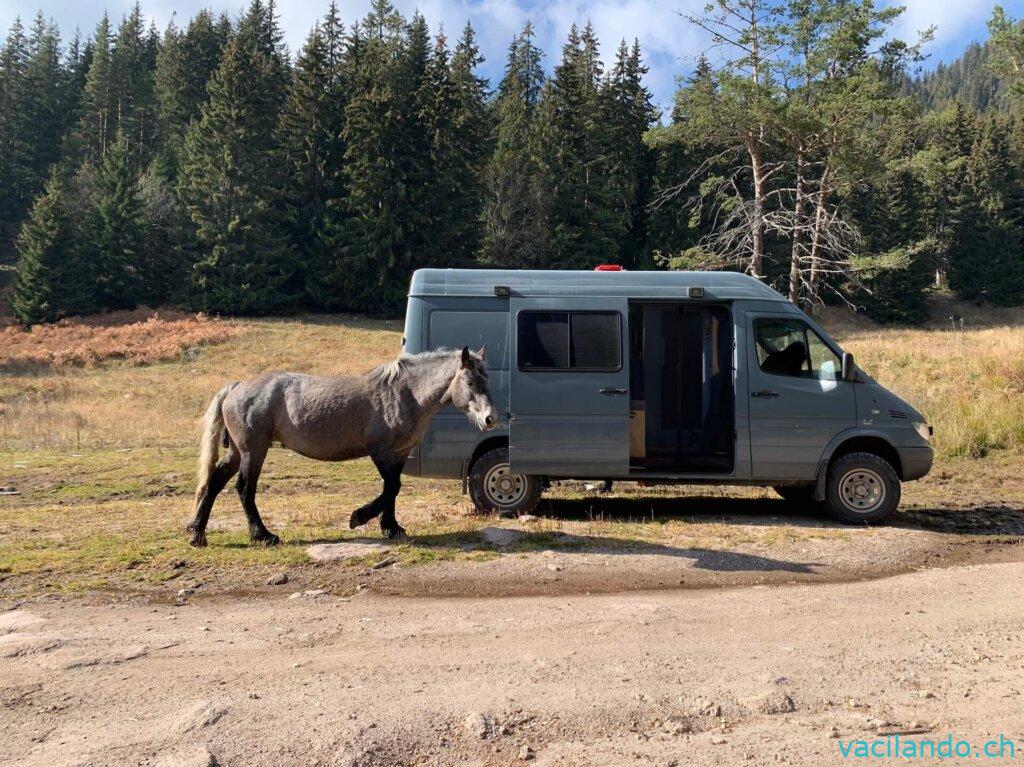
(967, 79)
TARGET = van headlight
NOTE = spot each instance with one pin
(924, 430)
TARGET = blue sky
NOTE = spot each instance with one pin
(670, 44)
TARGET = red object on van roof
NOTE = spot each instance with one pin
(609, 268)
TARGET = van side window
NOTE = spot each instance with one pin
(569, 341)
(544, 340)
(788, 347)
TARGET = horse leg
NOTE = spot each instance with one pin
(392, 474)
(226, 468)
(248, 478)
(366, 512)
(385, 502)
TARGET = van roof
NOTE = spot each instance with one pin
(541, 282)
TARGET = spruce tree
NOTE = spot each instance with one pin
(167, 250)
(52, 279)
(574, 150)
(202, 45)
(16, 171)
(438, 240)
(987, 255)
(230, 180)
(45, 98)
(415, 158)
(626, 114)
(184, 64)
(678, 228)
(77, 60)
(452, 113)
(98, 122)
(471, 130)
(170, 81)
(311, 125)
(374, 242)
(131, 74)
(895, 233)
(114, 228)
(513, 219)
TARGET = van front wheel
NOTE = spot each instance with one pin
(493, 487)
(862, 488)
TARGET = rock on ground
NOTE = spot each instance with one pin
(197, 757)
(333, 552)
(202, 714)
(477, 724)
(18, 645)
(499, 536)
(16, 620)
(774, 702)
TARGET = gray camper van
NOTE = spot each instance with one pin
(675, 377)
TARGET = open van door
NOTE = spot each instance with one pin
(569, 387)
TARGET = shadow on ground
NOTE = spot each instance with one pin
(980, 520)
(514, 541)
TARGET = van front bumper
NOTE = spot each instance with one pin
(916, 461)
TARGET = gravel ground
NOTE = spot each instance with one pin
(750, 675)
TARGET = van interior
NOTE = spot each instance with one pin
(681, 388)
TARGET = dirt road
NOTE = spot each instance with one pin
(752, 675)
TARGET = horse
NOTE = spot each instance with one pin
(382, 414)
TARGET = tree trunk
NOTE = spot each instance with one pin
(795, 266)
(819, 224)
(756, 267)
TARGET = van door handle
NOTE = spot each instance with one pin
(610, 390)
(765, 393)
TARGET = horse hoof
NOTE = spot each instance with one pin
(356, 520)
(396, 534)
(267, 539)
(196, 539)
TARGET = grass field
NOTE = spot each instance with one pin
(98, 423)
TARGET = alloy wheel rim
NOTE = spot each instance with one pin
(862, 490)
(504, 488)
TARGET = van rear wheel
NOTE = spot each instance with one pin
(494, 487)
(861, 488)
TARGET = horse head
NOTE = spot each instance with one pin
(469, 390)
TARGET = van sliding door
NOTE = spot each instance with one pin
(569, 387)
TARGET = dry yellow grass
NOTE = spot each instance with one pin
(122, 404)
(968, 381)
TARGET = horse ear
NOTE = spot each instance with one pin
(467, 361)
(482, 353)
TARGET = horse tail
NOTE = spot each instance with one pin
(213, 433)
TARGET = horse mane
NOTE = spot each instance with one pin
(391, 372)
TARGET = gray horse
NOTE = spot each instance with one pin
(382, 414)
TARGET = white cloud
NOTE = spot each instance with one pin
(956, 22)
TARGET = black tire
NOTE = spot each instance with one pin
(801, 496)
(493, 489)
(861, 488)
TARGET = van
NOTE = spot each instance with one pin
(658, 377)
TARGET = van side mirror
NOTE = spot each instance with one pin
(849, 368)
